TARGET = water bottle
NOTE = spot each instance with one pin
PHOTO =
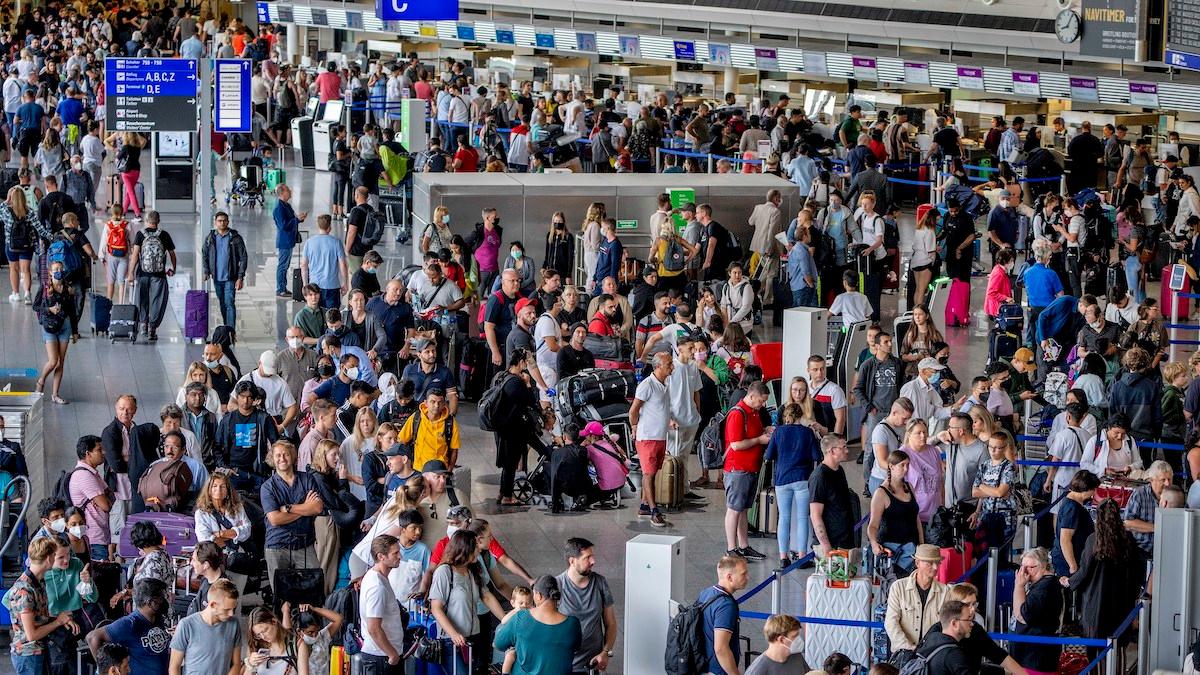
(637, 370)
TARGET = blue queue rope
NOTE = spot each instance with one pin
(1184, 342)
(1190, 296)
(1047, 179)
(905, 181)
(1115, 637)
(1181, 326)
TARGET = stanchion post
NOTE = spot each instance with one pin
(710, 162)
(1027, 525)
(1143, 650)
(776, 592)
(993, 567)
(658, 160)
(1110, 659)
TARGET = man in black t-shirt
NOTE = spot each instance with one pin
(830, 501)
(574, 356)
(717, 243)
(356, 222)
(946, 141)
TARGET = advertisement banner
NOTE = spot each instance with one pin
(1084, 89)
(970, 78)
(1111, 28)
(586, 42)
(1025, 84)
(718, 54)
(864, 68)
(630, 46)
(679, 197)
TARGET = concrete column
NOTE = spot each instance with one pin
(730, 83)
(293, 42)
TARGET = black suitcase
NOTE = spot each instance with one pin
(123, 323)
(1115, 277)
(782, 289)
(1002, 345)
(1010, 318)
(473, 369)
(299, 587)
(601, 387)
(297, 285)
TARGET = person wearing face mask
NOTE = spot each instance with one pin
(54, 520)
(80, 187)
(999, 286)
(337, 388)
(55, 306)
(220, 376)
(296, 363)
(560, 245)
(523, 265)
(785, 648)
(1002, 225)
(143, 632)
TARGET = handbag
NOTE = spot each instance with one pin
(236, 560)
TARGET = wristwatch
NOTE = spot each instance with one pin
(286, 508)
(608, 653)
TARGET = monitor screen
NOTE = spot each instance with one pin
(333, 111)
(310, 108)
(175, 144)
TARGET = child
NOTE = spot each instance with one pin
(1175, 375)
(114, 254)
(314, 643)
(999, 403)
(851, 305)
(522, 598)
(414, 558)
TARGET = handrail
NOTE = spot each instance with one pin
(8, 489)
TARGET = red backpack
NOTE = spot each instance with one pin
(479, 318)
(117, 242)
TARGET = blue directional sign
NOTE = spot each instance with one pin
(231, 100)
(1183, 60)
(264, 12)
(410, 10)
(506, 36)
(151, 94)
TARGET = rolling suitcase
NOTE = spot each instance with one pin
(600, 387)
(178, 531)
(1174, 307)
(1010, 318)
(472, 369)
(275, 178)
(195, 315)
(958, 305)
(123, 324)
(767, 513)
(297, 285)
(101, 313)
(1002, 345)
(114, 189)
(955, 563)
(669, 483)
(853, 603)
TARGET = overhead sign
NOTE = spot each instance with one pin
(466, 32)
(506, 36)
(814, 63)
(586, 42)
(1111, 28)
(915, 72)
(970, 78)
(1084, 89)
(685, 50)
(1025, 84)
(1144, 94)
(147, 95)
(1183, 33)
(410, 10)
(627, 224)
(544, 40)
(264, 12)
(718, 54)
(766, 58)
(231, 102)
(630, 46)
(864, 68)
(1185, 60)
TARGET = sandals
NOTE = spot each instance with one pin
(58, 400)
(41, 386)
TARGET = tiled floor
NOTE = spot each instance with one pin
(97, 372)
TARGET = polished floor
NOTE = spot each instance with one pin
(98, 371)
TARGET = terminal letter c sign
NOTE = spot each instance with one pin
(410, 10)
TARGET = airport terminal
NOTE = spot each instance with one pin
(631, 336)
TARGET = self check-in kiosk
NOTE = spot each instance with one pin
(302, 135)
(173, 172)
(323, 134)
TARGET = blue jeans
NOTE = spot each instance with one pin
(225, 291)
(1160, 209)
(1133, 269)
(331, 298)
(873, 483)
(805, 297)
(27, 665)
(281, 270)
(98, 551)
(794, 524)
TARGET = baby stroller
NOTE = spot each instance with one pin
(534, 487)
(598, 395)
(247, 188)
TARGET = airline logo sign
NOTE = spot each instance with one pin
(413, 10)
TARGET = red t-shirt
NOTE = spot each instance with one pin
(600, 325)
(439, 549)
(469, 159)
(742, 423)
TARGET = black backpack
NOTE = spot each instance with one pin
(62, 487)
(489, 403)
(1099, 228)
(372, 232)
(687, 652)
(921, 665)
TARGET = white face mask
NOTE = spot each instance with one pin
(352, 372)
(309, 640)
(77, 531)
(451, 529)
(295, 342)
(796, 645)
(1095, 325)
(1004, 203)
(59, 525)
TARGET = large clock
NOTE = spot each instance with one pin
(1066, 26)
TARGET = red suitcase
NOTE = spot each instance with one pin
(958, 305)
(955, 563)
(1174, 308)
(769, 357)
(178, 531)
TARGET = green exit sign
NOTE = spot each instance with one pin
(626, 224)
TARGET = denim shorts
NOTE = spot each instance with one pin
(14, 256)
(63, 335)
(740, 487)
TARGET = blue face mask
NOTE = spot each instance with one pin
(369, 270)
(935, 378)
(58, 275)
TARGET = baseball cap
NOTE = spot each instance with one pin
(435, 466)
(592, 428)
(459, 513)
(419, 344)
(929, 363)
(398, 449)
(689, 206)
(267, 361)
(525, 302)
(1024, 355)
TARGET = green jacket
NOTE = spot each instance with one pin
(1174, 424)
(63, 588)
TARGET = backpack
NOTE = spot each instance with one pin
(675, 256)
(62, 486)
(825, 255)
(489, 403)
(372, 232)
(447, 432)
(711, 446)
(1099, 228)
(152, 257)
(62, 251)
(921, 665)
(167, 482)
(686, 652)
(22, 236)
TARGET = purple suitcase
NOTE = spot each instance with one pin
(195, 315)
(178, 530)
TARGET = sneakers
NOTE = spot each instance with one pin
(750, 554)
(643, 511)
(657, 519)
(14, 298)
(28, 298)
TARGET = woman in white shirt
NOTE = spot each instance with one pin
(924, 251)
(360, 441)
(591, 240)
(221, 518)
(197, 372)
(1113, 453)
(1189, 204)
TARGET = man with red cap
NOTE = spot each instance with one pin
(521, 337)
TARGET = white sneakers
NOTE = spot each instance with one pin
(14, 298)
